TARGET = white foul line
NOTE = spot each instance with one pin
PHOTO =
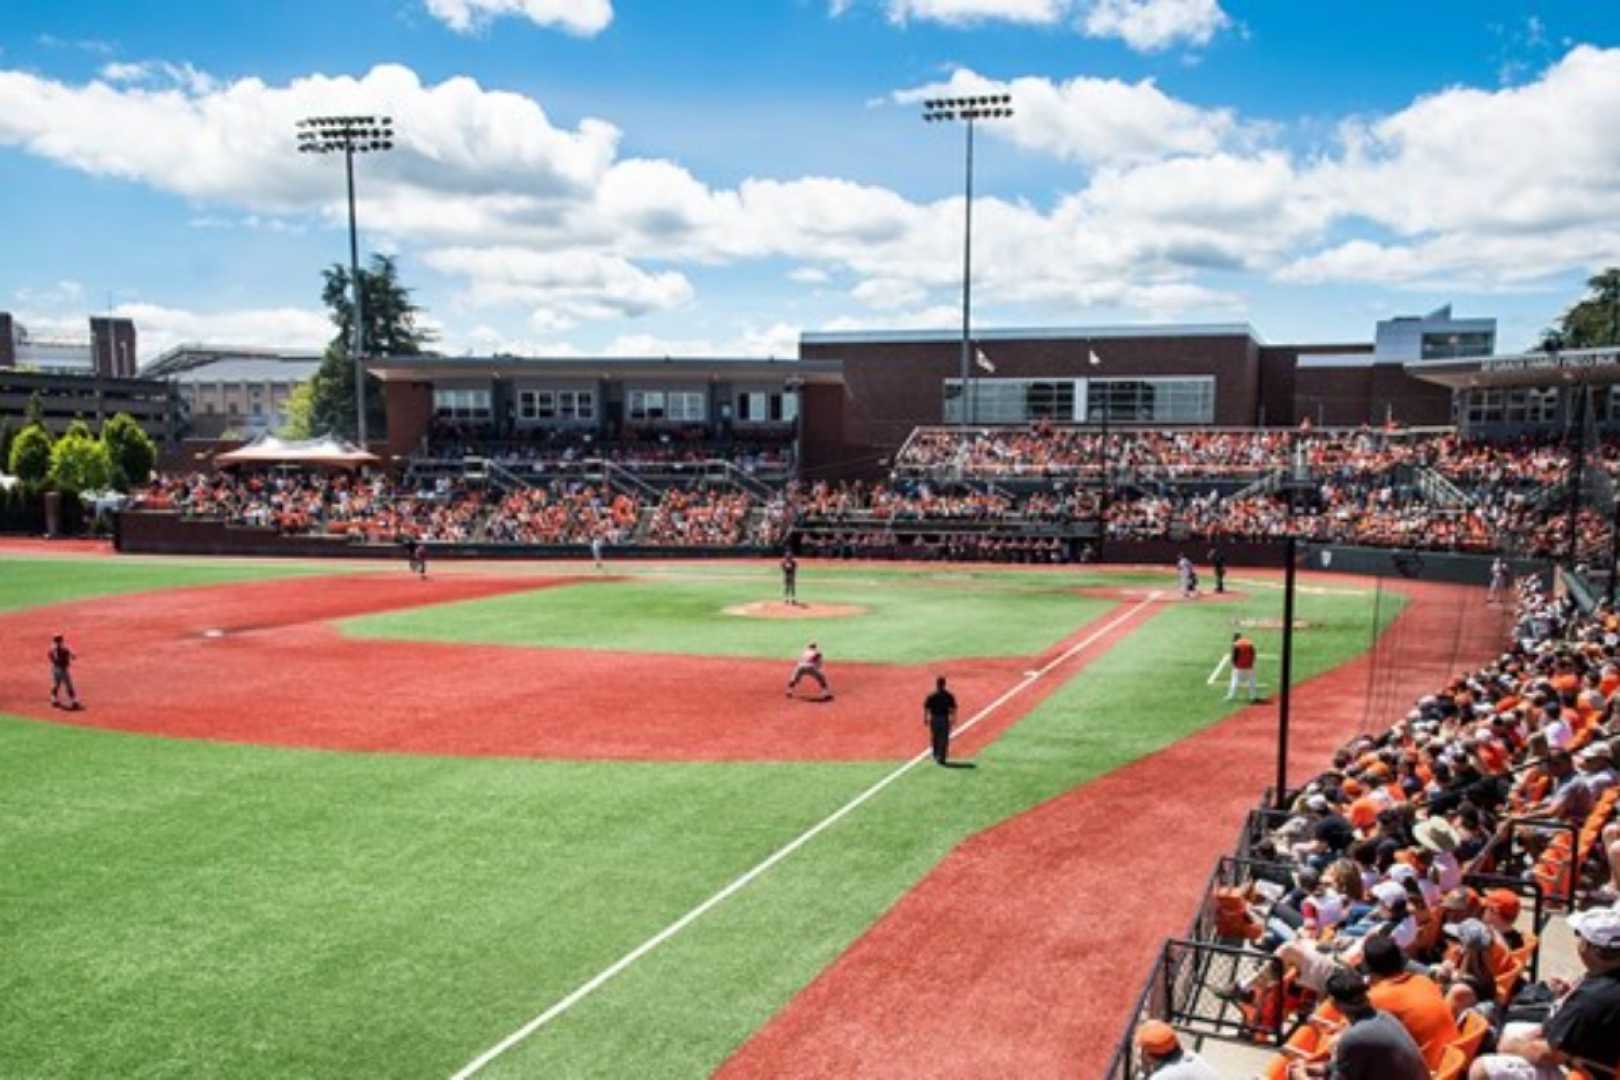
(1219, 667)
(619, 965)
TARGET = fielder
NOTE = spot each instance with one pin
(1243, 668)
(61, 658)
(809, 666)
(419, 559)
(1499, 580)
(596, 551)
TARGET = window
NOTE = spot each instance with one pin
(751, 408)
(1189, 400)
(1015, 401)
(687, 406)
(461, 404)
(1446, 346)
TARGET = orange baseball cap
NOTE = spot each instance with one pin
(1157, 1038)
(1504, 903)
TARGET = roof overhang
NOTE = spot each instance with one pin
(675, 369)
(1571, 367)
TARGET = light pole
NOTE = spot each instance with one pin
(969, 110)
(350, 135)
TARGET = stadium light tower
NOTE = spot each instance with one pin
(969, 110)
(350, 135)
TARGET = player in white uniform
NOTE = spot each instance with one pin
(809, 667)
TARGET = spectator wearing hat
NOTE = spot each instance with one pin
(1372, 1046)
(1584, 1027)
(1164, 1058)
(1436, 836)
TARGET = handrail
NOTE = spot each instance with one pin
(622, 478)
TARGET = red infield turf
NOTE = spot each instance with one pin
(1021, 953)
(261, 663)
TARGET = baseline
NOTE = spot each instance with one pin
(591, 985)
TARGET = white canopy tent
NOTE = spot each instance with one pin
(327, 452)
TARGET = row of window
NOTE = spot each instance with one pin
(1524, 405)
(556, 405)
(675, 406)
(687, 406)
(1189, 400)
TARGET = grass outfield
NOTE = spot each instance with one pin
(30, 582)
(911, 618)
(180, 908)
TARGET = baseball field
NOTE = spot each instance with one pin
(532, 820)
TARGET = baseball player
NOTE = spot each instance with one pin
(790, 576)
(939, 710)
(1499, 580)
(1187, 577)
(596, 551)
(1243, 668)
(61, 658)
(809, 666)
(419, 559)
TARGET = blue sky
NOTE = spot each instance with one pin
(585, 176)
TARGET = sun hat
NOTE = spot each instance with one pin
(1436, 834)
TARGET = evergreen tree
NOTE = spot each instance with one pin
(391, 329)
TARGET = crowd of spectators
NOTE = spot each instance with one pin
(942, 546)
(1507, 770)
(563, 512)
(374, 508)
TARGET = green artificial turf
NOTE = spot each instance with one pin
(178, 908)
(26, 582)
(910, 619)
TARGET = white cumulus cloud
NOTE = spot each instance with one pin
(1155, 25)
(583, 18)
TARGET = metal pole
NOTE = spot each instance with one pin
(359, 308)
(1577, 467)
(1287, 676)
(968, 403)
(1614, 550)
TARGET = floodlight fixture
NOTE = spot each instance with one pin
(970, 109)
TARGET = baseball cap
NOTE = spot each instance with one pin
(1157, 1038)
(1389, 893)
(1403, 872)
(1600, 927)
(1504, 903)
(1471, 933)
(1318, 803)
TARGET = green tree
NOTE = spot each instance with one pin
(391, 329)
(1593, 321)
(300, 422)
(130, 450)
(79, 429)
(30, 459)
(34, 416)
(80, 463)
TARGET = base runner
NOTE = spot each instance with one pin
(1243, 656)
(61, 658)
(809, 666)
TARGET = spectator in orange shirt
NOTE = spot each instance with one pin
(1415, 1000)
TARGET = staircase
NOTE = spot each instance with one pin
(1439, 491)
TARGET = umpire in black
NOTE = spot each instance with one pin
(939, 711)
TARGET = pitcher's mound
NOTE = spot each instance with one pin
(777, 609)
